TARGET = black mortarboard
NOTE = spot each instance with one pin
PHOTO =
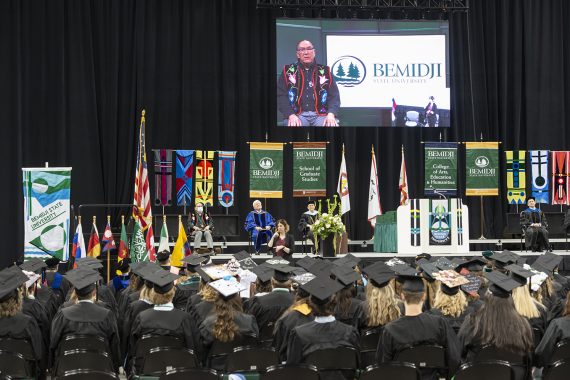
(195, 260)
(476, 264)
(403, 270)
(505, 258)
(519, 274)
(297, 271)
(428, 270)
(148, 270)
(457, 261)
(529, 198)
(163, 255)
(10, 279)
(203, 275)
(138, 266)
(52, 262)
(242, 255)
(322, 288)
(263, 273)
(89, 262)
(345, 274)
(487, 254)
(347, 260)
(547, 262)
(306, 262)
(442, 263)
(501, 284)
(379, 274)
(412, 283)
(162, 281)
(321, 268)
(282, 271)
(33, 265)
(83, 280)
(425, 256)
(309, 202)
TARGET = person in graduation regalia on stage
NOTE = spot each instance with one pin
(259, 224)
(308, 218)
(535, 227)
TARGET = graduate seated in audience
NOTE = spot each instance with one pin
(51, 299)
(104, 293)
(85, 317)
(13, 323)
(381, 305)
(207, 297)
(558, 330)
(162, 318)
(189, 282)
(348, 308)
(497, 324)
(163, 259)
(415, 328)
(122, 279)
(55, 282)
(475, 267)
(135, 286)
(261, 286)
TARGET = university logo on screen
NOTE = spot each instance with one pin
(348, 71)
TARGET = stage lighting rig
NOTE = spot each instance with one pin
(343, 6)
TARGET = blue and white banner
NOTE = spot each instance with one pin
(46, 212)
(539, 172)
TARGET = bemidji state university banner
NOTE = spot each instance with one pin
(440, 171)
(265, 170)
(481, 168)
(309, 169)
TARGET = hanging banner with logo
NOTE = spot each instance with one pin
(516, 176)
(46, 212)
(415, 231)
(184, 177)
(539, 173)
(205, 177)
(162, 177)
(560, 162)
(265, 170)
(226, 177)
(440, 168)
(439, 222)
(481, 168)
(309, 169)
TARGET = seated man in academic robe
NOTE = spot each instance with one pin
(535, 227)
(308, 218)
(259, 224)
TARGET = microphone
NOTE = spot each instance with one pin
(435, 191)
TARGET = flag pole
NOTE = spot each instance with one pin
(109, 253)
(482, 237)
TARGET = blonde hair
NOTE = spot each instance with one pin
(146, 293)
(161, 299)
(381, 305)
(432, 288)
(525, 305)
(284, 223)
(73, 297)
(452, 306)
(11, 306)
(209, 294)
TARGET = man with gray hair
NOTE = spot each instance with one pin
(259, 224)
(200, 225)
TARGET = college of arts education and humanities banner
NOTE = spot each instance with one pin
(46, 212)
(440, 171)
(266, 170)
(309, 169)
(481, 168)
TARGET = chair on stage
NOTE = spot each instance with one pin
(291, 372)
(161, 359)
(368, 345)
(426, 357)
(258, 359)
(190, 374)
(412, 118)
(88, 374)
(344, 359)
(391, 370)
(493, 369)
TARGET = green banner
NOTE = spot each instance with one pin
(266, 170)
(309, 169)
(482, 168)
(440, 170)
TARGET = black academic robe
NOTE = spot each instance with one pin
(564, 285)
(535, 237)
(355, 314)
(455, 322)
(22, 326)
(558, 330)
(303, 225)
(56, 281)
(184, 291)
(36, 310)
(539, 325)
(285, 325)
(86, 318)
(193, 301)
(50, 299)
(416, 330)
(133, 311)
(202, 311)
(314, 336)
(105, 294)
(269, 307)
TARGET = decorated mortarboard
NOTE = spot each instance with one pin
(32, 278)
(395, 261)
(10, 279)
(227, 286)
(83, 279)
(162, 281)
(428, 270)
(302, 279)
(33, 265)
(322, 288)
(475, 264)
(232, 265)
(423, 256)
(450, 281)
(89, 262)
(487, 254)
(306, 262)
(442, 263)
(297, 271)
(547, 262)
(263, 273)
(321, 268)
(213, 272)
(345, 275)
(347, 260)
(474, 284)
(457, 261)
(379, 274)
(501, 284)
(538, 277)
(519, 274)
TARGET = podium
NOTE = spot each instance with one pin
(433, 226)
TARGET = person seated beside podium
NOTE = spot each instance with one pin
(535, 227)
(259, 224)
(200, 224)
(308, 218)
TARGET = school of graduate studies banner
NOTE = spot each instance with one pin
(46, 212)
(309, 169)
(440, 168)
(265, 170)
(482, 168)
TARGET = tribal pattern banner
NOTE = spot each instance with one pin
(560, 161)
(459, 207)
(539, 172)
(184, 177)
(309, 169)
(440, 168)
(162, 177)
(516, 176)
(205, 177)
(439, 222)
(265, 170)
(415, 231)
(226, 177)
(482, 168)
(46, 212)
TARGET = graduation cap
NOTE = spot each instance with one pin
(505, 258)
(547, 263)
(347, 260)
(321, 289)
(282, 272)
(302, 279)
(443, 263)
(227, 286)
(537, 278)
(487, 254)
(137, 267)
(501, 284)
(162, 281)
(476, 264)
(311, 202)
(33, 265)
(83, 280)
(321, 268)
(213, 272)
(458, 261)
(428, 270)
(52, 262)
(306, 262)
(146, 271)
(242, 255)
(89, 262)
(519, 274)
(403, 270)
(298, 271)
(263, 273)
(163, 255)
(379, 274)
(194, 261)
(422, 256)
(412, 283)
(32, 278)
(395, 261)
(450, 281)
(345, 274)
(472, 287)
(10, 279)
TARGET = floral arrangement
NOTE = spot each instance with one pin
(328, 224)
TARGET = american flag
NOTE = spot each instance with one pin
(141, 202)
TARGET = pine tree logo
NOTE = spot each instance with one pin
(348, 71)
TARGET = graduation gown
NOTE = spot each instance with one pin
(202, 311)
(307, 218)
(284, 325)
(184, 291)
(539, 325)
(535, 237)
(259, 219)
(454, 322)
(133, 311)
(558, 330)
(50, 300)
(86, 318)
(22, 326)
(355, 314)
(313, 336)
(269, 307)
(36, 310)
(415, 330)
(193, 301)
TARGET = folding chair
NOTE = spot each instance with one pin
(493, 369)
(392, 370)
(220, 350)
(14, 364)
(339, 359)
(266, 334)
(291, 372)
(88, 374)
(190, 374)
(368, 345)
(83, 359)
(428, 358)
(82, 342)
(160, 360)
(562, 351)
(520, 364)
(22, 347)
(148, 342)
(246, 358)
(558, 371)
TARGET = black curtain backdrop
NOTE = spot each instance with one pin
(74, 76)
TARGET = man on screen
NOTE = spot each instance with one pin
(306, 92)
(431, 112)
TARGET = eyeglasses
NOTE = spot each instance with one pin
(307, 49)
